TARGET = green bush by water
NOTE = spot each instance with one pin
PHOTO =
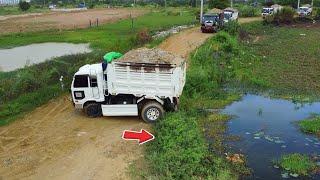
(297, 163)
(311, 125)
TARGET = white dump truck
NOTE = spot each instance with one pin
(230, 14)
(266, 11)
(130, 86)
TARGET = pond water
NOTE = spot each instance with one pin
(18, 57)
(267, 129)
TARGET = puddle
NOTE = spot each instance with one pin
(267, 129)
(18, 57)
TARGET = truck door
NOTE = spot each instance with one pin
(94, 87)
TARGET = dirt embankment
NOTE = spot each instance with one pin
(65, 20)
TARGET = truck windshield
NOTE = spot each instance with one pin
(80, 81)
(227, 15)
(303, 9)
(266, 10)
(210, 18)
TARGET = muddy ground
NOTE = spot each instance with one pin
(57, 142)
(64, 20)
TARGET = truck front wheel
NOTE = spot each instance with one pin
(151, 112)
(93, 110)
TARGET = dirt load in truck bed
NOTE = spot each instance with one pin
(154, 56)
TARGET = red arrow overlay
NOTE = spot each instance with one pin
(143, 136)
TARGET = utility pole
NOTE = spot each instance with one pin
(231, 3)
(312, 3)
(298, 4)
(201, 11)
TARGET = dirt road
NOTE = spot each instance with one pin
(57, 142)
(185, 42)
(64, 20)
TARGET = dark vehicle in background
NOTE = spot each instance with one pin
(82, 5)
(211, 22)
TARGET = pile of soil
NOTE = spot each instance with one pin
(154, 55)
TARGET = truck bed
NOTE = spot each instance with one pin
(139, 79)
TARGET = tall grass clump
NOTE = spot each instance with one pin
(208, 67)
(284, 16)
(232, 27)
(248, 11)
(297, 163)
(311, 125)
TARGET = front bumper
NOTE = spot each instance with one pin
(209, 28)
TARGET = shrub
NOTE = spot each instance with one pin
(183, 147)
(243, 34)
(317, 13)
(285, 15)
(220, 4)
(297, 163)
(173, 13)
(91, 5)
(142, 37)
(311, 125)
(232, 27)
(24, 6)
(268, 19)
(248, 11)
(269, 3)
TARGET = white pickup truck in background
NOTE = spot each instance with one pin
(129, 89)
(305, 10)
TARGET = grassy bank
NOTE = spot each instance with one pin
(181, 149)
(297, 163)
(284, 60)
(258, 59)
(113, 36)
(23, 90)
(311, 125)
(15, 10)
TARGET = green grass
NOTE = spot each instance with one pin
(280, 59)
(311, 125)
(20, 87)
(297, 163)
(113, 36)
(14, 10)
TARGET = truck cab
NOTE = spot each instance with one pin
(304, 11)
(210, 22)
(267, 11)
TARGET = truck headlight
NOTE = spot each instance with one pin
(78, 94)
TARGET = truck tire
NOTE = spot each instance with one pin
(151, 112)
(93, 110)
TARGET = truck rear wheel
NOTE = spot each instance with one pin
(151, 112)
(93, 110)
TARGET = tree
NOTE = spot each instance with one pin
(220, 4)
(24, 6)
